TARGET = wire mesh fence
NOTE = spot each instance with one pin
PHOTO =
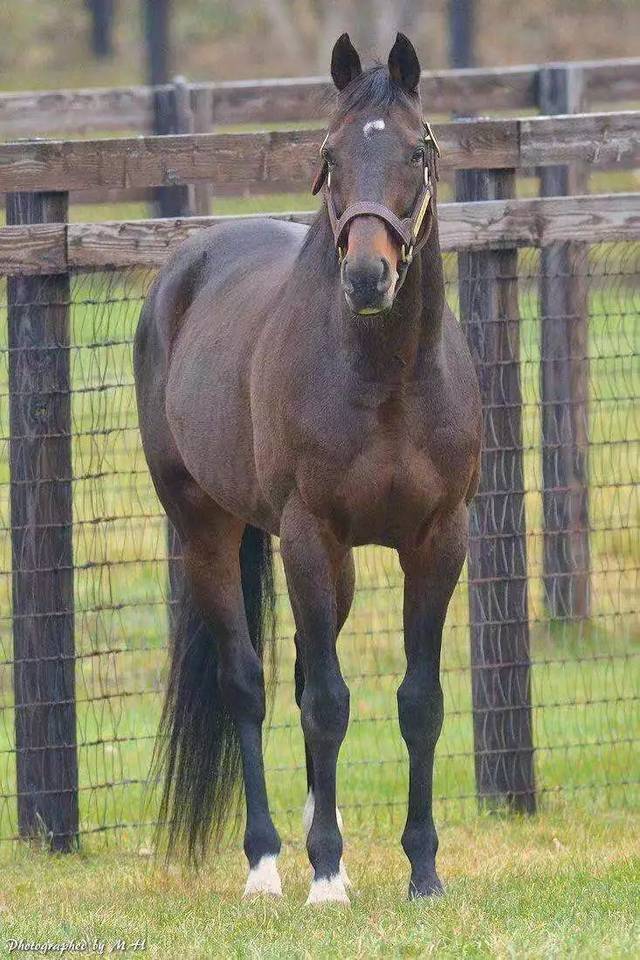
(584, 658)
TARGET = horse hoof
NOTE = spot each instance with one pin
(263, 879)
(328, 890)
(421, 889)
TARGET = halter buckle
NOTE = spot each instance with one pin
(406, 254)
(430, 137)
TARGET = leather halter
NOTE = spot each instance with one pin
(407, 229)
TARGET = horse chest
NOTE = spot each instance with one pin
(380, 483)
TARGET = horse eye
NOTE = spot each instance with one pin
(417, 155)
(329, 159)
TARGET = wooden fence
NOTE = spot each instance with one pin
(203, 107)
(486, 231)
(476, 91)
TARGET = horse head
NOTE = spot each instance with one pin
(378, 171)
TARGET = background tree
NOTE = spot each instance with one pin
(102, 17)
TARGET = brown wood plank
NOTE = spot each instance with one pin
(290, 157)
(32, 249)
(159, 161)
(594, 219)
(599, 139)
(32, 113)
(610, 81)
(279, 158)
(144, 243)
(482, 90)
(472, 226)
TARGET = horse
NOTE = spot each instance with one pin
(309, 383)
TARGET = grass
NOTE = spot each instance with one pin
(558, 886)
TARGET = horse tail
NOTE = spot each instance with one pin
(197, 752)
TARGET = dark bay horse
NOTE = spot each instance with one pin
(310, 384)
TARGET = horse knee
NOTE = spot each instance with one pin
(420, 710)
(325, 711)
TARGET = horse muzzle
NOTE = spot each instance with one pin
(368, 283)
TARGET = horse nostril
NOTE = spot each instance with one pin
(344, 276)
(385, 280)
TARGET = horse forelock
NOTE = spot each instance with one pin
(373, 89)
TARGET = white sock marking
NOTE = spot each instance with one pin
(307, 820)
(307, 813)
(328, 890)
(264, 878)
(372, 125)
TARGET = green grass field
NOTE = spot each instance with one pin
(557, 886)
(514, 891)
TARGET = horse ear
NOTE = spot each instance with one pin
(345, 62)
(404, 66)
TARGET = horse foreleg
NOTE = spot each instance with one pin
(212, 565)
(431, 573)
(312, 561)
(344, 598)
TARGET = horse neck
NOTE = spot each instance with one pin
(391, 348)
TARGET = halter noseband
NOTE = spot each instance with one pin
(407, 229)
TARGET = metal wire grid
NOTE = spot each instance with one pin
(585, 673)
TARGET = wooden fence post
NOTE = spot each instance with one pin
(41, 540)
(500, 659)
(177, 202)
(193, 115)
(201, 106)
(170, 201)
(564, 380)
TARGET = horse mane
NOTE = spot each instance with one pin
(319, 241)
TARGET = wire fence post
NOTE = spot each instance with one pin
(41, 540)
(500, 655)
(564, 380)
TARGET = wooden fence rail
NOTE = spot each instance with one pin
(29, 249)
(482, 91)
(283, 158)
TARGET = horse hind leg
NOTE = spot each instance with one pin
(221, 662)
